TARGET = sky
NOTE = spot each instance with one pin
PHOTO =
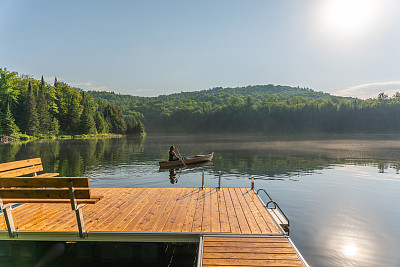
(149, 48)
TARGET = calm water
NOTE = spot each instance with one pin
(340, 193)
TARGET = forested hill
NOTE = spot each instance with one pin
(175, 111)
(255, 91)
(264, 108)
(215, 96)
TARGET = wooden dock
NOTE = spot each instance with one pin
(232, 223)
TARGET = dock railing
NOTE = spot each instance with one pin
(276, 212)
(273, 208)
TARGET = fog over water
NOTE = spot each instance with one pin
(341, 193)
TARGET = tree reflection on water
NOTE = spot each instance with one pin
(74, 157)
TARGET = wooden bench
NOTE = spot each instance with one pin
(73, 190)
(24, 167)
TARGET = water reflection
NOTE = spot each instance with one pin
(264, 159)
(75, 157)
(341, 195)
(172, 176)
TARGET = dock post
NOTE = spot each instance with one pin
(252, 183)
(202, 181)
(219, 181)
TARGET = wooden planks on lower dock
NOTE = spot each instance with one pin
(248, 251)
(173, 210)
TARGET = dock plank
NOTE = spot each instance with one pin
(142, 200)
(120, 210)
(188, 223)
(198, 218)
(143, 210)
(179, 218)
(254, 228)
(241, 262)
(161, 200)
(244, 226)
(233, 219)
(159, 225)
(223, 213)
(154, 216)
(267, 218)
(263, 226)
(215, 213)
(206, 226)
(125, 217)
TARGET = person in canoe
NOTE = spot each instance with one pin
(172, 155)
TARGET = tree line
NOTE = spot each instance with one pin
(261, 109)
(35, 108)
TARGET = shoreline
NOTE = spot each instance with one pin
(4, 139)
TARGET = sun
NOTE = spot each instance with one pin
(350, 250)
(348, 17)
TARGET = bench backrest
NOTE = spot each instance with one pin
(43, 188)
(74, 190)
(21, 167)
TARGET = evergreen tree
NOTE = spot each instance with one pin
(8, 126)
(31, 116)
(115, 119)
(69, 103)
(101, 124)
(2, 119)
(54, 127)
(42, 110)
(87, 123)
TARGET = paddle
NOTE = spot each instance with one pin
(180, 156)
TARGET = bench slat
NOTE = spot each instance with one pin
(48, 174)
(32, 182)
(40, 193)
(23, 171)
(19, 164)
(92, 200)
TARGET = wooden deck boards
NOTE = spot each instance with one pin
(248, 251)
(228, 210)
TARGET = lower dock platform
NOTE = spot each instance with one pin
(249, 251)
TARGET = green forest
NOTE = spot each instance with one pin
(30, 107)
(34, 108)
(266, 109)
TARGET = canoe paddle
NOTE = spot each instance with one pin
(180, 156)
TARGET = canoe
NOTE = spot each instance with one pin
(187, 160)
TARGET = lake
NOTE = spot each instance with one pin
(341, 193)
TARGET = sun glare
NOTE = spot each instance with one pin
(348, 17)
(350, 250)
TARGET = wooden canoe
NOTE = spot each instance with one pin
(187, 160)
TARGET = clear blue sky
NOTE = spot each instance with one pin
(147, 48)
